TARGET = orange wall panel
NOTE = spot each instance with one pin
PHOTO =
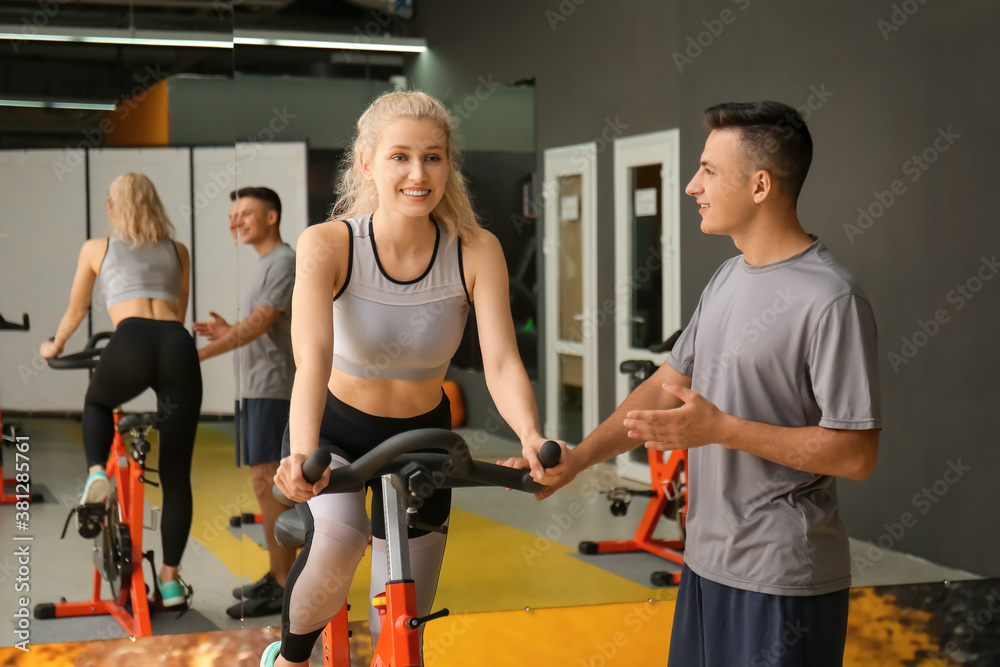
(143, 120)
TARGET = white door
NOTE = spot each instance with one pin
(647, 259)
(570, 248)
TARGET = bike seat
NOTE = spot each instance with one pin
(289, 530)
(632, 366)
(134, 422)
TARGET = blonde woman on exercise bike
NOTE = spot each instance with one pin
(144, 278)
(381, 298)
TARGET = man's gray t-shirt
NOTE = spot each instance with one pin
(264, 366)
(792, 344)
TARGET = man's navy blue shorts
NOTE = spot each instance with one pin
(260, 423)
(720, 626)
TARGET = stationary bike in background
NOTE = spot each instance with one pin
(116, 524)
(668, 494)
(9, 434)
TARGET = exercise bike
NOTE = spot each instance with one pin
(407, 477)
(115, 525)
(668, 493)
(13, 436)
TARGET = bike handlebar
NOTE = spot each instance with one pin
(86, 358)
(402, 452)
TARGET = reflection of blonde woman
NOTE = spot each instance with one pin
(144, 277)
(382, 292)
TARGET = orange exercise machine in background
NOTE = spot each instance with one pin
(668, 493)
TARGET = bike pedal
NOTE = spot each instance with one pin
(89, 518)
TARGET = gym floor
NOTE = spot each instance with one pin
(511, 562)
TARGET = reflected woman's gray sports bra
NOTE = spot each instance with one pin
(388, 329)
(149, 271)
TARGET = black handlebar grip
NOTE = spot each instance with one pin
(312, 470)
(549, 454)
(316, 465)
(86, 358)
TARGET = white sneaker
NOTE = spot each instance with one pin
(96, 488)
(270, 654)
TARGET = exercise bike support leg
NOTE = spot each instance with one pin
(663, 473)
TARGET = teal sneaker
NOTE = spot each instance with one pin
(171, 593)
(96, 488)
(270, 654)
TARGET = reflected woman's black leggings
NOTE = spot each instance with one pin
(160, 355)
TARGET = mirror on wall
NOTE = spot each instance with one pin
(75, 116)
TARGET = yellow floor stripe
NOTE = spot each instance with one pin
(493, 567)
(593, 636)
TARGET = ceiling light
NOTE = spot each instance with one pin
(28, 33)
(318, 40)
(64, 104)
(357, 42)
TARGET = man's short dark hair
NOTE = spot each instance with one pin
(266, 195)
(773, 137)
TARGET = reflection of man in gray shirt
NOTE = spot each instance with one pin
(264, 370)
(773, 387)
(264, 366)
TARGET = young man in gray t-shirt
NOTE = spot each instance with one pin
(773, 387)
(264, 367)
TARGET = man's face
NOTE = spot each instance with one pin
(721, 186)
(253, 217)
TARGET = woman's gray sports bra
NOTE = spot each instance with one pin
(149, 271)
(388, 329)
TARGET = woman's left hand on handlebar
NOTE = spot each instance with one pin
(289, 479)
(49, 349)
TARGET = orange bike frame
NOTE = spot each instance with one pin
(125, 472)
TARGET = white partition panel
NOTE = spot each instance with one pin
(170, 171)
(223, 274)
(42, 228)
(216, 262)
(281, 167)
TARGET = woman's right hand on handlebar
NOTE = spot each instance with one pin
(49, 349)
(289, 479)
(555, 478)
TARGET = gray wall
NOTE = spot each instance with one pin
(888, 94)
(599, 73)
(889, 99)
(324, 112)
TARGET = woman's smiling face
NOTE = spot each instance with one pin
(410, 166)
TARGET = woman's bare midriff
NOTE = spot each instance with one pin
(398, 399)
(150, 309)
